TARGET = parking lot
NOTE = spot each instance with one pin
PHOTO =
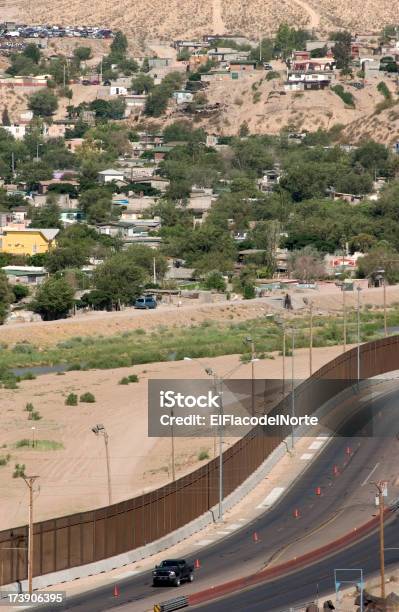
(53, 31)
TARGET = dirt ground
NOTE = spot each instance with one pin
(74, 478)
(192, 312)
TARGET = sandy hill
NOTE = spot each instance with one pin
(267, 108)
(169, 18)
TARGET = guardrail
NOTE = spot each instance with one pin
(87, 537)
(172, 604)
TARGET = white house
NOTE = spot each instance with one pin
(109, 175)
(182, 97)
(117, 90)
(18, 131)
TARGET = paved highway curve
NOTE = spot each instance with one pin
(237, 555)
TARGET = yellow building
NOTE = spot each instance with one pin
(27, 241)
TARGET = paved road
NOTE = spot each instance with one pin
(238, 555)
(302, 586)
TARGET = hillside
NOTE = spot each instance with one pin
(267, 108)
(171, 19)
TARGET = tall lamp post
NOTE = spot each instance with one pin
(218, 381)
(250, 341)
(311, 338)
(99, 430)
(382, 281)
(358, 289)
(344, 316)
(29, 481)
(380, 495)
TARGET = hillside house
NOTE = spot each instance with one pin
(27, 241)
(26, 275)
(183, 97)
(109, 175)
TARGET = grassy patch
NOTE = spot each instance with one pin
(43, 445)
(345, 96)
(209, 339)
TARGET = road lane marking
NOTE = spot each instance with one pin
(317, 444)
(306, 456)
(204, 542)
(370, 475)
(272, 497)
(223, 532)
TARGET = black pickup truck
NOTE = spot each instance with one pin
(172, 571)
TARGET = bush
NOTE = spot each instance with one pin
(383, 89)
(71, 400)
(88, 398)
(133, 378)
(28, 376)
(5, 460)
(124, 381)
(22, 443)
(202, 455)
(345, 96)
(29, 407)
(20, 292)
(34, 415)
(11, 383)
(272, 75)
(25, 348)
(19, 471)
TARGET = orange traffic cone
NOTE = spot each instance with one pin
(255, 537)
(116, 591)
(297, 514)
(197, 564)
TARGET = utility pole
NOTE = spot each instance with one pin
(154, 269)
(29, 481)
(380, 489)
(311, 338)
(252, 378)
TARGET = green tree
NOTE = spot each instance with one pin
(342, 49)
(32, 51)
(47, 216)
(5, 296)
(119, 45)
(43, 103)
(5, 117)
(142, 83)
(82, 54)
(54, 299)
(215, 280)
(118, 281)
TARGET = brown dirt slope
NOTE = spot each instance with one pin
(170, 19)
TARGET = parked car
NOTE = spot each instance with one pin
(267, 66)
(173, 571)
(145, 301)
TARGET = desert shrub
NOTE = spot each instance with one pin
(19, 470)
(88, 398)
(124, 381)
(29, 407)
(71, 400)
(202, 455)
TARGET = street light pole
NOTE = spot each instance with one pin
(385, 307)
(173, 446)
(250, 341)
(292, 386)
(310, 338)
(382, 553)
(100, 430)
(29, 481)
(220, 382)
(344, 313)
(358, 333)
